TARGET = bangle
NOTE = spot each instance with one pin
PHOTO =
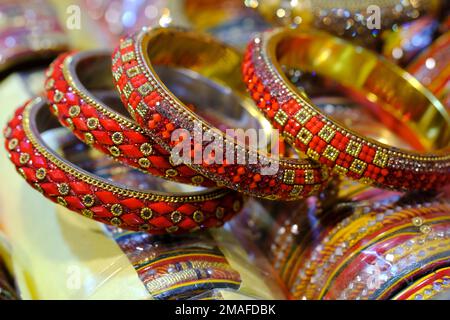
(432, 68)
(177, 267)
(71, 79)
(104, 200)
(427, 287)
(381, 237)
(346, 18)
(412, 112)
(160, 112)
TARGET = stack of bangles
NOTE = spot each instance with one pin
(159, 95)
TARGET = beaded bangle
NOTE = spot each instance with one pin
(160, 112)
(102, 127)
(402, 104)
(101, 199)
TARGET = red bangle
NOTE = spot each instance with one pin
(160, 112)
(328, 141)
(100, 126)
(101, 199)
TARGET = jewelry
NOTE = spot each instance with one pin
(179, 267)
(427, 287)
(415, 114)
(106, 128)
(160, 112)
(366, 255)
(101, 199)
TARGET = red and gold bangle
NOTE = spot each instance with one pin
(399, 101)
(160, 112)
(432, 68)
(97, 124)
(104, 200)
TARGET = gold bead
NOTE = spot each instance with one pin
(12, 144)
(87, 213)
(425, 229)
(24, 158)
(198, 216)
(176, 216)
(417, 221)
(58, 96)
(115, 152)
(41, 173)
(146, 213)
(74, 111)
(146, 149)
(172, 229)
(116, 209)
(88, 200)
(63, 189)
(144, 162)
(171, 172)
(38, 187)
(92, 123)
(55, 109)
(116, 221)
(61, 201)
(71, 126)
(22, 173)
(89, 138)
(197, 179)
(117, 137)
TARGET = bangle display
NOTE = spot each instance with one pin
(160, 112)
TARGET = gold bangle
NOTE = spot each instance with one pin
(401, 103)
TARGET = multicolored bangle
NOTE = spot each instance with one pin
(401, 103)
(104, 200)
(105, 128)
(160, 112)
(180, 267)
(428, 287)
